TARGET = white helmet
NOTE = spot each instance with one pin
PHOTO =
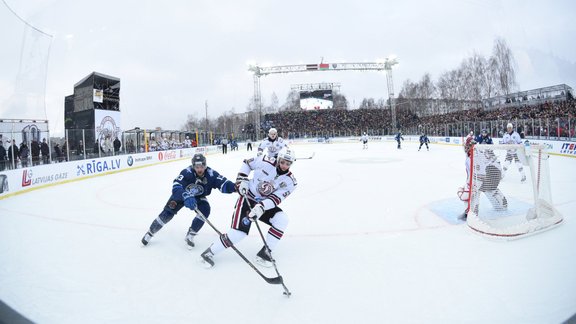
(509, 125)
(286, 154)
(272, 132)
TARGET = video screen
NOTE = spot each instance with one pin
(314, 100)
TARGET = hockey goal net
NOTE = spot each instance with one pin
(510, 193)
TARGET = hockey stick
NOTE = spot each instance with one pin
(286, 291)
(274, 281)
(306, 157)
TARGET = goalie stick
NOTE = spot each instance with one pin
(287, 292)
(274, 281)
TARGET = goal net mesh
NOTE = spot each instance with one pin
(510, 193)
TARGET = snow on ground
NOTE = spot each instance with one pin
(373, 238)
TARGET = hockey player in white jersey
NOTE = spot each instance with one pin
(272, 144)
(364, 140)
(260, 196)
(512, 137)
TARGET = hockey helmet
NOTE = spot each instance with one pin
(272, 132)
(484, 132)
(198, 159)
(286, 154)
(509, 126)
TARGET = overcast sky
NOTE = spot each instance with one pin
(172, 56)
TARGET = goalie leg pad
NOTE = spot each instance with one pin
(497, 199)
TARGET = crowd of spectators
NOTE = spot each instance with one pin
(14, 156)
(558, 119)
(335, 121)
(551, 120)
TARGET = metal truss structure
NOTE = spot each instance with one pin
(259, 71)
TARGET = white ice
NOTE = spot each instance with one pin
(371, 239)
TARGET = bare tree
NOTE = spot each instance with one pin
(274, 103)
(426, 88)
(292, 101)
(192, 123)
(491, 78)
(505, 66)
(409, 89)
(449, 88)
(339, 101)
(368, 103)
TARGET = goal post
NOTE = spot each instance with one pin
(510, 191)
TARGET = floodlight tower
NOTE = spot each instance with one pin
(388, 63)
(257, 98)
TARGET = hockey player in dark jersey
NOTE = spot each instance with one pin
(190, 189)
(398, 138)
(484, 138)
(272, 182)
(424, 140)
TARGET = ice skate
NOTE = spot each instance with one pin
(207, 258)
(147, 237)
(190, 239)
(263, 258)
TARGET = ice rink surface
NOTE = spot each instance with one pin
(373, 238)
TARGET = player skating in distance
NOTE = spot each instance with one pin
(272, 144)
(190, 189)
(424, 140)
(398, 139)
(364, 140)
(484, 138)
(260, 196)
(512, 137)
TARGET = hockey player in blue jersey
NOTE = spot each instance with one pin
(398, 138)
(424, 140)
(190, 189)
(484, 138)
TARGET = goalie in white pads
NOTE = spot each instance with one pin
(487, 175)
(512, 137)
(271, 184)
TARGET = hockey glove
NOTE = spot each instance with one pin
(244, 187)
(189, 200)
(256, 212)
(242, 184)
